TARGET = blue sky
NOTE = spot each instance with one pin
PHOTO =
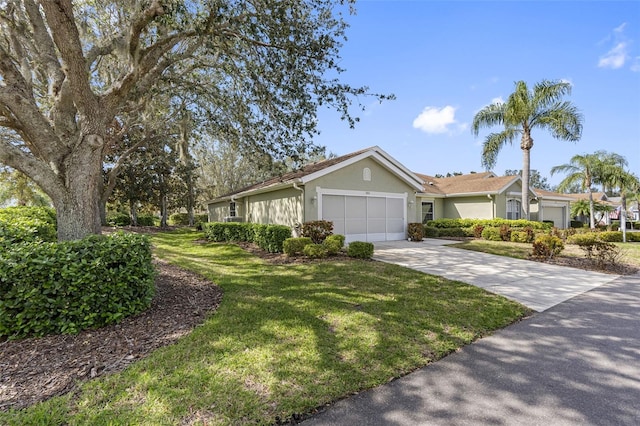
(444, 60)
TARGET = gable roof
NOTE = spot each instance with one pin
(316, 170)
(597, 196)
(467, 185)
(550, 195)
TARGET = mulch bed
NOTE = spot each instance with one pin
(35, 369)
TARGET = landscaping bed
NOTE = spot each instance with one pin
(35, 369)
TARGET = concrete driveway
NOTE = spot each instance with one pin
(537, 285)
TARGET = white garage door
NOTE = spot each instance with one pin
(556, 214)
(365, 218)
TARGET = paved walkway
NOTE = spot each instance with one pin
(575, 364)
(537, 285)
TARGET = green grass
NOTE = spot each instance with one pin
(630, 252)
(285, 339)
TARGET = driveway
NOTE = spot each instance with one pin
(537, 285)
(575, 364)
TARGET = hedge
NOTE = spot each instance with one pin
(470, 223)
(70, 286)
(360, 250)
(27, 224)
(268, 237)
(295, 246)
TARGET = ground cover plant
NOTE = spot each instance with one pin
(284, 340)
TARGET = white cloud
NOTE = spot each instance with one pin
(614, 58)
(618, 54)
(435, 120)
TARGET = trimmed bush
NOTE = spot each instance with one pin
(477, 230)
(415, 232)
(611, 236)
(334, 243)
(431, 232)
(470, 223)
(271, 237)
(491, 233)
(178, 219)
(146, 220)
(547, 246)
(633, 237)
(316, 251)
(577, 224)
(295, 246)
(118, 219)
(452, 232)
(229, 231)
(317, 230)
(27, 224)
(74, 285)
(519, 237)
(360, 250)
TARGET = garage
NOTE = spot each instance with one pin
(556, 214)
(365, 217)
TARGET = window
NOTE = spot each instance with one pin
(232, 209)
(514, 207)
(427, 211)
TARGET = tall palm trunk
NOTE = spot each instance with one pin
(526, 143)
(592, 219)
(623, 217)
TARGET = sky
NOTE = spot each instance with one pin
(445, 60)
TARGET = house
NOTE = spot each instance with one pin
(553, 206)
(370, 196)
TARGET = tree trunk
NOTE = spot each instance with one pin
(133, 213)
(526, 163)
(623, 217)
(592, 221)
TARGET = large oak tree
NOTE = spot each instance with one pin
(72, 73)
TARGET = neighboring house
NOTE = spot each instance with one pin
(551, 206)
(370, 196)
(598, 197)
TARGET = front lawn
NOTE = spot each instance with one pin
(285, 340)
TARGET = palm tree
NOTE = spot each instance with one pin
(583, 170)
(524, 111)
(617, 177)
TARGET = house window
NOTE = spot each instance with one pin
(514, 207)
(366, 174)
(427, 211)
(232, 209)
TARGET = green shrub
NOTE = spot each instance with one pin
(178, 219)
(430, 232)
(360, 250)
(452, 232)
(295, 246)
(595, 249)
(315, 251)
(229, 231)
(491, 233)
(118, 219)
(496, 223)
(611, 236)
(317, 230)
(415, 232)
(146, 220)
(74, 285)
(27, 224)
(334, 243)
(633, 237)
(519, 237)
(271, 237)
(577, 224)
(547, 246)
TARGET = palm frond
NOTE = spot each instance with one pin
(493, 144)
(488, 116)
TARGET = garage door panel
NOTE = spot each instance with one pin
(365, 218)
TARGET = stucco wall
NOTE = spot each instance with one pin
(218, 211)
(479, 207)
(282, 207)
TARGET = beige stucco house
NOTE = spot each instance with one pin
(370, 196)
